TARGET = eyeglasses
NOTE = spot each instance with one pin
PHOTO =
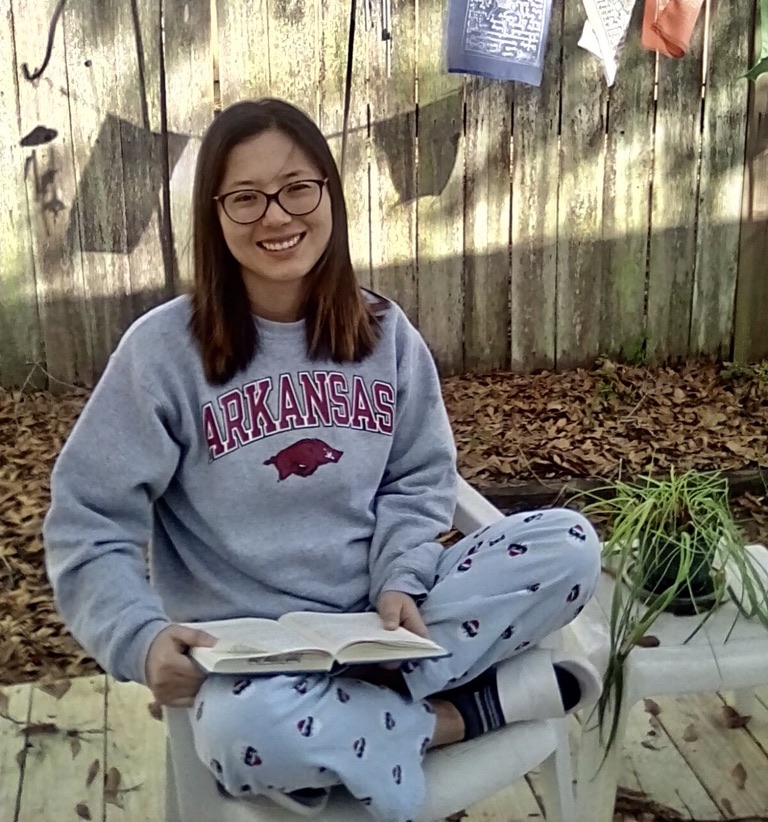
(248, 205)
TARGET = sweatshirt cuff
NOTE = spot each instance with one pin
(406, 582)
(133, 665)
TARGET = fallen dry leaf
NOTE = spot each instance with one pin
(39, 729)
(648, 641)
(112, 779)
(690, 734)
(651, 707)
(83, 811)
(638, 805)
(93, 770)
(74, 744)
(57, 689)
(733, 719)
(112, 787)
(739, 776)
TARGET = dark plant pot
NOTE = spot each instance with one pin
(697, 596)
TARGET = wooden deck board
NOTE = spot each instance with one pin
(517, 803)
(14, 714)
(728, 762)
(652, 763)
(689, 762)
(135, 751)
(68, 737)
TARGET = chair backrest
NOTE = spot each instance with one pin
(473, 510)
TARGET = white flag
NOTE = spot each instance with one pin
(604, 32)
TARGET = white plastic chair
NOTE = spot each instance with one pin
(729, 653)
(457, 775)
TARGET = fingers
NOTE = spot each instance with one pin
(390, 608)
(397, 608)
(413, 622)
(191, 637)
(390, 617)
(172, 676)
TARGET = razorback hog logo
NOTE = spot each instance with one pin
(303, 458)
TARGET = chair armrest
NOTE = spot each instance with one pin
(473, 510)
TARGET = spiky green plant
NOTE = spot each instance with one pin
(668, 539)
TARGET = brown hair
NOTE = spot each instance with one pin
(340, 324)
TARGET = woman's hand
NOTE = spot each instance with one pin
(171, 675)
(396, 608)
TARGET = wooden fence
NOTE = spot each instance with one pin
(520, 228)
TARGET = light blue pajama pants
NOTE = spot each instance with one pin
(497, 592)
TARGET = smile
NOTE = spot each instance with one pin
(281, 245)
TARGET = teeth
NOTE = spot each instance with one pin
(283, 246)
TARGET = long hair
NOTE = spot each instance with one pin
(340, 325)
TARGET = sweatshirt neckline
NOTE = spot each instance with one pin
(272, 328)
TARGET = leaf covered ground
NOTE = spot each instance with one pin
(610, 421)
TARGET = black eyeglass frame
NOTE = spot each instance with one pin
(270, 198)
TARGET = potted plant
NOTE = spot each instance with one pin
(673, 546)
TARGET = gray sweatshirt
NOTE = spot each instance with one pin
(299, 485)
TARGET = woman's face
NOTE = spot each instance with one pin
(279, 248)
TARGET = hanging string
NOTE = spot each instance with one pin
(51, 34)
(386, 34)
(348, 85)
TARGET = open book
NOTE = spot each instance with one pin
(305, 641)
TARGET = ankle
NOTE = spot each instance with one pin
(568, 685)
(449, 727)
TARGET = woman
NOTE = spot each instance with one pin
(281, 437)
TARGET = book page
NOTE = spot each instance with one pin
(254, 637)
(334, 632)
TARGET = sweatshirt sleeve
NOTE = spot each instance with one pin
(416, 500)
(118, 459)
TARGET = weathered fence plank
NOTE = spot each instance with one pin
(97, 215)
(19, 319)
(486, 224)
(149, 156)
(333, 72)
(722, 176)
(189, 95)
(580, 204)
(535, 183)
(677, 140)
(626, 197)
(242, 28)
(294, 45)
(89, 40)
(392, 96)
(51, 195)
(750, 340)
(441, 195)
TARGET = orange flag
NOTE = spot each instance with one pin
(668, 25)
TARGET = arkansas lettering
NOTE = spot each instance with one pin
(318, 399)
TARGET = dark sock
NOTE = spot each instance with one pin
(570, 690)
(478, 703)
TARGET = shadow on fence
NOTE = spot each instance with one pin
(516, 309)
